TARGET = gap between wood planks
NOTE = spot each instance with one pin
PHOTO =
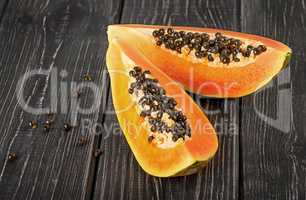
(240, 160)
(105, 94)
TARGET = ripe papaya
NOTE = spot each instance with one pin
(178, 142)
(211, 62)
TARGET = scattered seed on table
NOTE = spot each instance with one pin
(67, 127)
(49, 121)
(12, 156)
(33, 124)
(82, 141)
(87, 77)
(47, 127)
(97, 153)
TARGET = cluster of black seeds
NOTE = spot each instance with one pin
(157, 101)
(226, 48)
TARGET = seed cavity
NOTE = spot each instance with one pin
(156, 107)
(227, 49)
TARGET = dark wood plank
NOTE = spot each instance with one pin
(3, 4)
(49, 35)
(273, 119)
(119, 176)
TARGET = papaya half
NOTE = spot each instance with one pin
(166, 131)
(211, 62)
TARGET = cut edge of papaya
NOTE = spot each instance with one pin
(269, 41)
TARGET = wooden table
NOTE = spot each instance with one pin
(262, 137)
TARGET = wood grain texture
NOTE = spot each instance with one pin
(49, 35)
(267, 128)
(3, 4)
(273, 120)
(119, 176)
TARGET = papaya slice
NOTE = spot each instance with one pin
(156, 151)
(206, 75)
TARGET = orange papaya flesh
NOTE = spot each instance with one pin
(213, 79)
(185, 157)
